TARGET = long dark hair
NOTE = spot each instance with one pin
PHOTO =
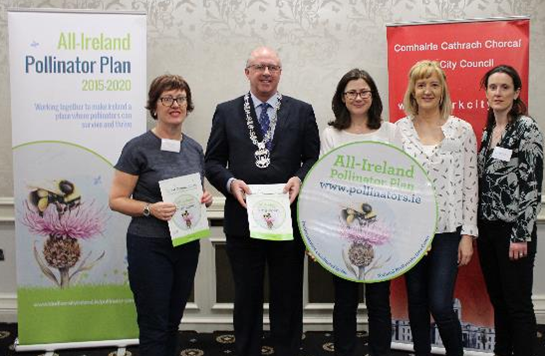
(519, 108)
(342, 116)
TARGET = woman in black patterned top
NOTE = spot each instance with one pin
(510, 171)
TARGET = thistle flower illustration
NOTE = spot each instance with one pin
(376, 233)
(63, 229)
(359, 257)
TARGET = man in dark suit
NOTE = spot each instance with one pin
(263, 137)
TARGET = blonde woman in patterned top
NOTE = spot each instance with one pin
(511, 172)
(446, 147)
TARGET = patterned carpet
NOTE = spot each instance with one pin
(213, 344)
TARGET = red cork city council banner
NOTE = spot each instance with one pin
(465, 50)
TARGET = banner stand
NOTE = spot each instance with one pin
(51, 348)
(435, 350)
(77, 91)
(465, 49)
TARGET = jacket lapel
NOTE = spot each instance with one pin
(282, 119)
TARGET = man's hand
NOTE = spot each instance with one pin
(292, 188)
(239, 189)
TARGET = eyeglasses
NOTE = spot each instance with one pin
(169, 100)
(352, 94)
(273, 68)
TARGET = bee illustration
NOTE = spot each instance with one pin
(187, 218)
(63, 194)
(269, 220)
(364, 216)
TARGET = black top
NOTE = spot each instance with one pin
(142, 156)
(510, 191)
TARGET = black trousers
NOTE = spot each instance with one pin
(284, 262)
(161, 278)
(509, 285)
(377, 299)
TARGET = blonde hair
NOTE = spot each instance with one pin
(423, 70)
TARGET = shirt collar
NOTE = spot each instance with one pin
(273, 100)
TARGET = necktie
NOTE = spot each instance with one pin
(265, 122)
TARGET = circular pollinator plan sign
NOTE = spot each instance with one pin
(367, 211)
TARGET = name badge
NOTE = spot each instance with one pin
(503, 154)
(170, 145)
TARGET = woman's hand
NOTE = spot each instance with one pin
(162, 211)
(310, 255)
(207, 199)
(518, 250)
(465, 250)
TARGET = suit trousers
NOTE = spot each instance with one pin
(509, 285)
(161, 278)
(377, 300)
(284, 262)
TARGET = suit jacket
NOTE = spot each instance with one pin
(230, 153)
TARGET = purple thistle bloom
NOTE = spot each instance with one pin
(82, 222)
(376, 233)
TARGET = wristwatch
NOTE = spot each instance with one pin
(147, 211)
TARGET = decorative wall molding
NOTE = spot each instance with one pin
(214, 212)
(317, 316)
(7, 213)
(8, 307)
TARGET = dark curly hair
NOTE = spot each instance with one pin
(164, 83)
(342, 116)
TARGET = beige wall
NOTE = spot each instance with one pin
(208, 42)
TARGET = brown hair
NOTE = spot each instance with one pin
(164, 83)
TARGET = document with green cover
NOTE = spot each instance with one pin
(189, 221)
(269, 214)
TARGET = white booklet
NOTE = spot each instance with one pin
(269, 213)
(189, 221)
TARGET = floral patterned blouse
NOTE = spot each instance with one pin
(452, 168)
(511, 190)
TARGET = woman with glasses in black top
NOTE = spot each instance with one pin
(160, 275)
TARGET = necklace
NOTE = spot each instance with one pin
(262, 154)
(497, 134)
